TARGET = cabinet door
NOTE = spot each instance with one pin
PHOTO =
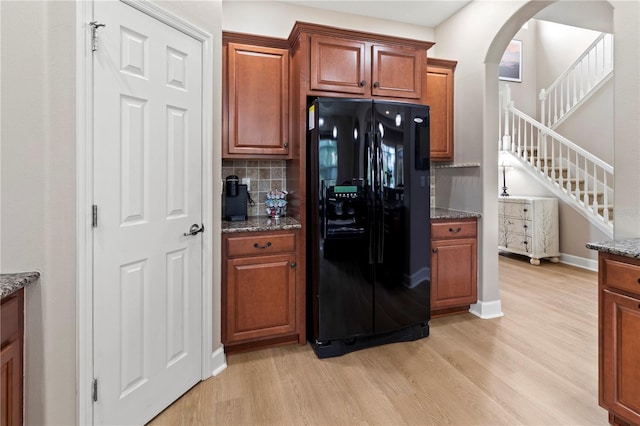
(620, 355)
(440, 99)
(11, 384)
(260, 297)
(339, 65)
(397, 72)
(453, 272)
(258, 92)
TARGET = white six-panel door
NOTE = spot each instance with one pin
(147, 187)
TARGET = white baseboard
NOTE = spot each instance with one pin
(487, 310)
(580, 262)
(218, 361)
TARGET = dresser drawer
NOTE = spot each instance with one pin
(623, 276)
(259, 244)
(518, 226)
(453, 229)
(514, 209)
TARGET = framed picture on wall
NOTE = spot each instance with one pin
(511, 62)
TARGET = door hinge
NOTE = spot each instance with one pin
(94, 391)
(94, 34)
(94, 220)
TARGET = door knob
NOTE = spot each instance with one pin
(195, 229)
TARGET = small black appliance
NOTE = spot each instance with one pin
(235, 200)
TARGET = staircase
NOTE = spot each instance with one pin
(581, 80)
(574, 175)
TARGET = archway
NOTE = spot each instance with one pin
(503, 36)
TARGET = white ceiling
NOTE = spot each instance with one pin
(427, 13)
(594, 15)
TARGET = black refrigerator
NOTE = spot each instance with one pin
(368, 238)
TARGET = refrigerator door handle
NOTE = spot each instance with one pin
(380, 199)
(369, 173)
(323, 194)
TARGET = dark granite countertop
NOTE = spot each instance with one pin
(10, 283)
(260, 223)
(263, 223)
(438, 213)
(628, 247)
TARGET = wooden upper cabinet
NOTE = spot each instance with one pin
(396, 72)
(365, 68)
(440, 100)
(338, 65)
(257, 101)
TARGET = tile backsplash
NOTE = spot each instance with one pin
(264, 175)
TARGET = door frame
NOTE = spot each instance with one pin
(212, 361)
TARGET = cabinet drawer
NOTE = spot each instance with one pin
(251, 245)
(622, 275)
(458, 229)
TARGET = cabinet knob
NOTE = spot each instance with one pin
(258, 246)
(363, 83)
(455, 231)
(292, 264)
(286, 144)
(434, 250)
(376, 84)
(638, 280)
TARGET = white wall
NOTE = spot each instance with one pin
(626, 17)
(38, 186)
(276, 19)
(525, 93)
(558, 46)
(38, 195)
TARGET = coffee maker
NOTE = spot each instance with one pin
(235, 199)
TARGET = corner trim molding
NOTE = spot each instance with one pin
(487, 310)
(218, 361)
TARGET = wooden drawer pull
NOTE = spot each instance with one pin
(455, 231)
(258, 246)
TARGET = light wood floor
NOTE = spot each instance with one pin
(537, 365)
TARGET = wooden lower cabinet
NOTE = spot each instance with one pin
(454, 253)
(619, 338)
(12, 325)
(260, 291)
